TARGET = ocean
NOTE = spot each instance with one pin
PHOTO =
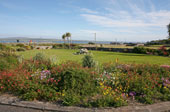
(50, 41)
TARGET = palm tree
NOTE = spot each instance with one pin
(64, 37)
(68, 35)
(168, 26)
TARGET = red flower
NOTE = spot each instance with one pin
(38, 90)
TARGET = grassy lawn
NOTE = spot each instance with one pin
(100, 56)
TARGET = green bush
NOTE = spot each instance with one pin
(20, 49)
(88, 61)
(141, 50)
(75, 82)
(65, 46)
(39, 57)
(27, 47)
(71, 98)
(6, 48)
(7, 60)
(3, 47)
(79, 81)
(20, 45)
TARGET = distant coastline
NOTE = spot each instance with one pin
(42, 40)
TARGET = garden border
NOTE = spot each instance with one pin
(46, 106)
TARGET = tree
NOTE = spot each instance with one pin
(64, 37)
(68, 35)
(168, 26)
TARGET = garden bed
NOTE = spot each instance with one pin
(84, 84)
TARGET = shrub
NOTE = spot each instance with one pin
(3, 47)
(74, 46)
(65, 46)
(20, 49)
(20, 45)
(92, 43)
(7, 61)
(27, 47)
(27, 86)
(6, 48)
(141, 50)
(33, 65)
(75, 82)
(39, 57)
(88, 61)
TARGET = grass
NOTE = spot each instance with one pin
(100, 56)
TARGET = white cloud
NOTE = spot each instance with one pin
(136, 18)
(109, 22)
(88, 11)
(133, 21)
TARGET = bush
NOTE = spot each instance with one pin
(27, 47)
(74, 46)
(92, 43)
(7, 61)
(20, 49)
(75, 82)
(141, 50)
(88, 61)
(65, 46)
(6, 48)
(39, 57)
(3, 47)
(20, 45)
(39, 61)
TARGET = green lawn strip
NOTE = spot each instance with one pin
(100, 56)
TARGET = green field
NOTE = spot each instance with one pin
(100, 56)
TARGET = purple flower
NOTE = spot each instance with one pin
(44, 74)
(132, 93)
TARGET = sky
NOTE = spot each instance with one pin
(111, 20)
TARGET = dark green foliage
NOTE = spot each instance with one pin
(88, 61)
(65, 46)
(20, 49)
(168, 26)
(92, 43)
(70, 98)
(162, 51)
(159, 42)
(75, 82)
(141, 50)
(39, 57)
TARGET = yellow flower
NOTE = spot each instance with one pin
(117, 60)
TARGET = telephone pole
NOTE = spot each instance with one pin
(95, 40)
(95, 37)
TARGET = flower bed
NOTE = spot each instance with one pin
(71, 83)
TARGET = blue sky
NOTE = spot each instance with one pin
(122, 20)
